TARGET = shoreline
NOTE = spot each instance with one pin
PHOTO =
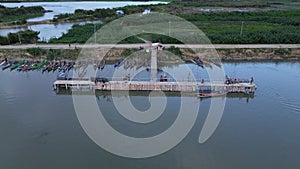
(133, 46)
(49, 21)
(227, 53)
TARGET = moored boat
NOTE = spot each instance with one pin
(19, 68)
(101, 65)
(61, 76)
(39, 65)
(13, 67)
(25, 68)
(4, 61)
(197, 61)
(7, 66)
(120, 63)
(55, 67)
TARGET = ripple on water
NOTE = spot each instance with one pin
(290, 104)
(286, 102)
(7, 98)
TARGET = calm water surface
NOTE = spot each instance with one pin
(47, 31)
(39, 128)
(70, 7)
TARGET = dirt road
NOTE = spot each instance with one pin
(217, 46)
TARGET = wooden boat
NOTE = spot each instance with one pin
(70, 66)
(31, 66)
(65, 67)
(197, 62)
(57, 65)
(16, 65)
(2, 63)
(62, 76)
(102, 64)
(19, 68)
(7, 66)
(45, 67)
(212, 94)
(38, 66)
(120, 63)
(25, 68)
(50, 68)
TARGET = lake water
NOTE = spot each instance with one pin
(70, 7)
(39, 127)
(49, 31)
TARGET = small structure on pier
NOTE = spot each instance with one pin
(73, 83)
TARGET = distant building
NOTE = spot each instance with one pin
(146, 11)
(120, 12)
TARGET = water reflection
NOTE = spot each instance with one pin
(105, 94)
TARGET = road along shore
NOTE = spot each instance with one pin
(227, 52)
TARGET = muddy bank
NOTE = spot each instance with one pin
(261, 54)
(253, 54)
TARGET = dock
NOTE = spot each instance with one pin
(233, 86)
(155, 86)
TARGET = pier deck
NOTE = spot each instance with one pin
(155, 86)
(73, 83)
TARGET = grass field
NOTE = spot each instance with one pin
(264, 27)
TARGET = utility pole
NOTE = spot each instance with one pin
(169, 27)
(95, 33)
(242, 26)
(18, 33)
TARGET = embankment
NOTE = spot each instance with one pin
(226, 54)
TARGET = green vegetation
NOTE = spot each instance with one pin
(73, 0)
(36, 51)
(18, 16)
(58, 54)
(270, 22)
(259, 27)
(175, 50)
(80, 14)
(78, 34)
(264, 27)
(27, 36)
(39, 53)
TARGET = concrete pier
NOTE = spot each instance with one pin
(153, 76)
(156, 86)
